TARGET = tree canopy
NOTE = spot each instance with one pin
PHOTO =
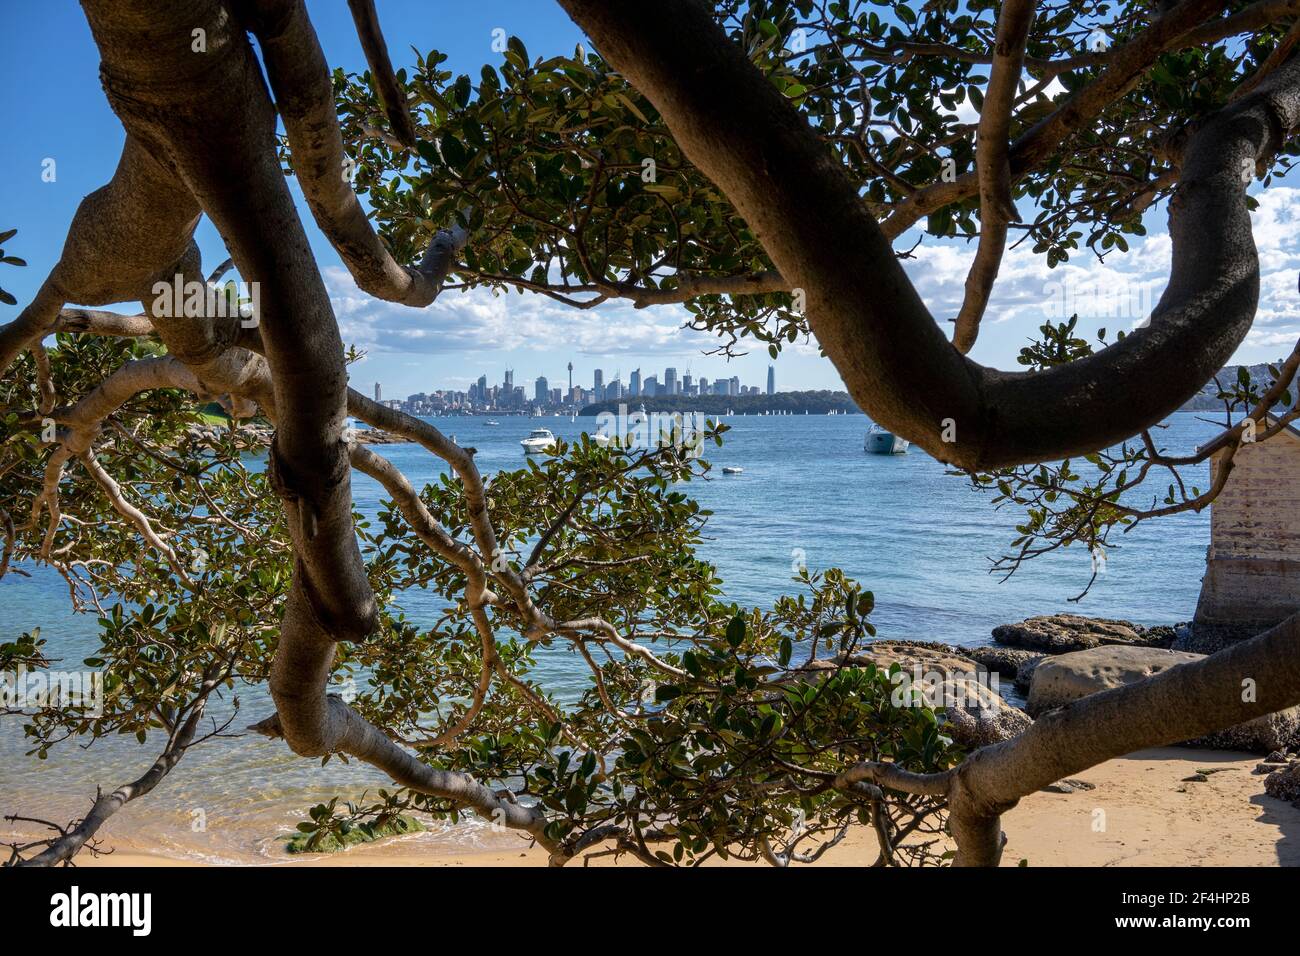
(754, 161)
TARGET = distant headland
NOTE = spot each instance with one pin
(794, 403)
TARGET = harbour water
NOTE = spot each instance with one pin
(921, 539)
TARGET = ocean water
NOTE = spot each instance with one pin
(921, 539)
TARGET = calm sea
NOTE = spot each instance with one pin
(920, 539)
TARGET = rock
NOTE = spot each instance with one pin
(1025, 675)
(375, 436)
(1268, 766)
(1061, 679)
(1196, 778)
(1159, 635)
(1258, 736)
(1063, 633)
(1067, 677)
(984, 719)
(1277, 756)
(1204, 637)
(1007, 661)
(974, 712)
(1284, 784)
(1069, 786)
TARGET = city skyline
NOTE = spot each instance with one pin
(538, 393)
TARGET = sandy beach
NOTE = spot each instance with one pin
(1141, 813)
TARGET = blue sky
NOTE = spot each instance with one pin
(53, 108)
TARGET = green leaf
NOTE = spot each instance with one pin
(736, 631)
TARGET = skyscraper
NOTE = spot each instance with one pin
(686, 383)
(771, 380)
(634, 383)
(542, 391)
(379, 393)
(510, 379)
(598, 384)
(670, 381)
(570, 380)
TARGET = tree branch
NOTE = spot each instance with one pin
(391, 96)
(997, 209)
(300, 78)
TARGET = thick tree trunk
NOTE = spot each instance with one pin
(207, 116)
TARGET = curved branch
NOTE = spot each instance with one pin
(300, 78)
(743, 134)
(124, 237)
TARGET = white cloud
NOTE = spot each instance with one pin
(1116, 293)
(1128, 283)
(478, 320)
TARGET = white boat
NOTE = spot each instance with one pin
(538, 442)
(490, 422)
(733, 470)
(881, 442)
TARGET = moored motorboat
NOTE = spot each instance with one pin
(538, 442)
(882, 442)
(733, 470)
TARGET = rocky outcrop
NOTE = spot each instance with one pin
(975, 716)
(1205, 638)
(1006, 661)
(1284, 784)
(974, 713)
(1064, 633)
(374, 436)
(1258, 736)
(1061, 679)
(1025, 674)
(1068, 677)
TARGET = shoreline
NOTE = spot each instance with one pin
(1141, 813)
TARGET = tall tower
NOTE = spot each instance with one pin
(379, 393)
(771, 380)
(570, 378)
